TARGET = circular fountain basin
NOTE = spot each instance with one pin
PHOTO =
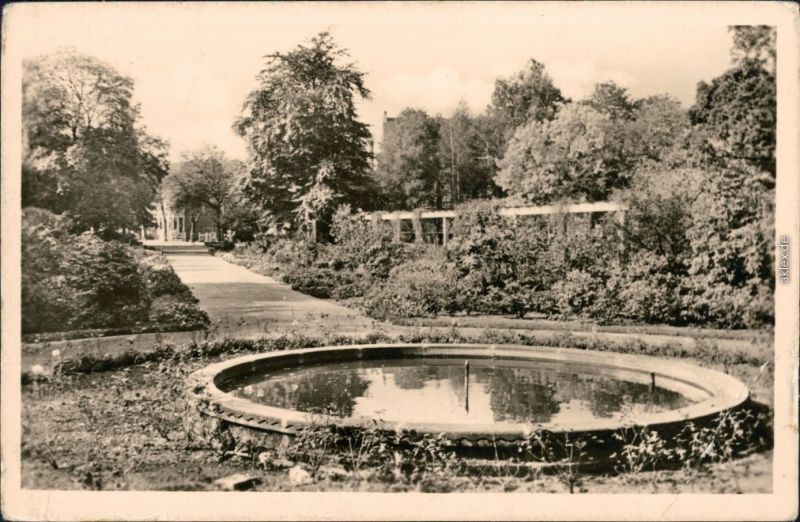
(467, 392)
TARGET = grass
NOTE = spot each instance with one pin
(587, 326)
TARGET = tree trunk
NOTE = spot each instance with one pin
(163, 222)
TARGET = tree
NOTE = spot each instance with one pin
(609, 98)
(755, 43)
(529, 95)
(659, 130)
(308, 151)
(733, 232)
(84, 154)
(463, 151)
(737, 110)
(581, 154)
(204, 180)
(409, 173)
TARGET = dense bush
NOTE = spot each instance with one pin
(315, 281)
(418, 288)
(81, 282)
(361, 257)
(679, 257)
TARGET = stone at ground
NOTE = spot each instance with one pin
(237, 482)
(298, 476)
(332, 472)
(264, 457)
(270, 461)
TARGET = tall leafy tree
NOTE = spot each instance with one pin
(204, 181)
(579, 155)
(733, 233)
(612, 99)
(755, 43)
(737, 110)
(463, 151)
(528, 95)
(659, 131)
(409, 172)
(308, 150)
(84, 153)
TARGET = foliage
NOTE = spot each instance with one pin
(84, 153)
(308, 150)
(242, 217)
(611, 99)
(177, 313)
(730, 435)
(466, 157)
(566, 452)
(733, 234)
(594, 148)
(409, 173)
(736, 112)
(78, 282)
(755, 43)
(508, 267)
(732, 240)
(527, 96)
(315, 281)
(580, 154)
(642, 450)
(418, 288)
(204, 180)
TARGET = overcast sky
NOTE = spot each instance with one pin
(194, 64)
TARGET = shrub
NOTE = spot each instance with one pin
(81, 282)
(161, 280)
(292, 252)
(515, 267)
(174, 311)
(110, 288)
(418, 288)
(314, 281)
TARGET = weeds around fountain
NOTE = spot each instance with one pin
(643, 449)
(565, 453)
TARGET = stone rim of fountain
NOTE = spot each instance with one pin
(722, 392)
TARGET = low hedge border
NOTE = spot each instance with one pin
(47, 337)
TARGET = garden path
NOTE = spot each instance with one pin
(247, 304)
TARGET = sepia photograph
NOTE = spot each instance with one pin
(435, 255)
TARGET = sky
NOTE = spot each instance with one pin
(193, 64)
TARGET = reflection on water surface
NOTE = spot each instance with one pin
(435, 390)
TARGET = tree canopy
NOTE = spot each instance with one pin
(581, 154)
(409, 173)
(527, 95)
(308, 150)
(738, 109)
(84, 153)
(465, 156)
(612, 99)
(204, 181)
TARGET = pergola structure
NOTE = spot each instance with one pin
(577, 208)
